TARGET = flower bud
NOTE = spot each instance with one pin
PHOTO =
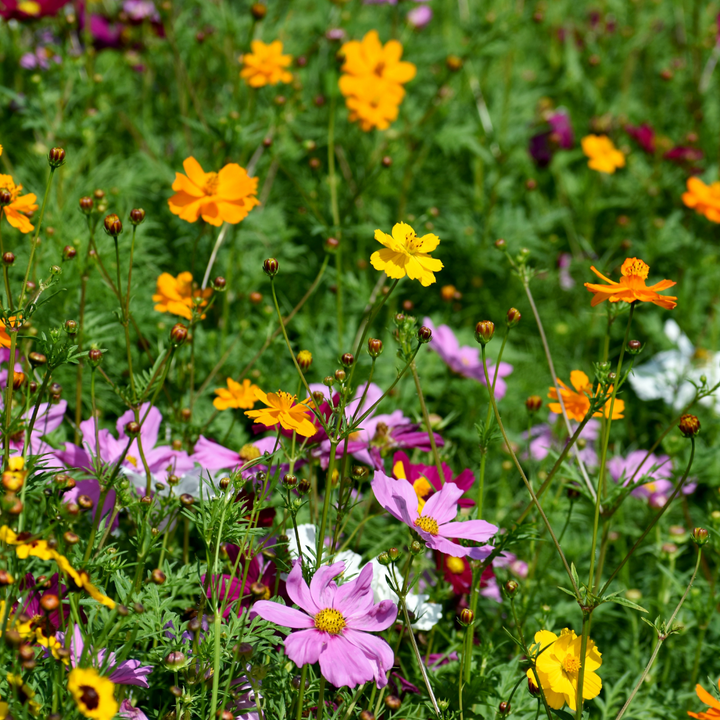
(137, 215)
(71, 327)
(384, 558)
(375, 347)
(328, 381)
(513, 317)
(340, 375)
(367, 715)
(289, 481)
(511, 587)
(49, 602)
(700, 536)
(174, 660)
(304, 360)
(176, 691)
(466, 617)
(504, 708)
(95, 356)
(634, 347)
(186, 500)
(331, 245)
(71, 538)
(393, 702)
(500, 244)
(319, 397)
(533, 403)
(86, 204)
(113, 225)
(303, 486)
(37, 359)
(297, 680)
(424, 334)
(689, 425)
(132, 429)
(5, 197)
(6, 578)
(18, 380)
(178, 334)
(243, 651)
(453, 63)
(347, 360)
(484, 331)
(56, 157)
(8, 258)
(416, 547)
(158, 576)
(85, 502)
(258, 11)
(270, 266)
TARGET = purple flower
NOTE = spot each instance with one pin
(559, 136)
(644, 135)
(543, 440)
(465, 360)
(129, 711)
(419, 17)
(335, 623)
(213, 456)
(128, 672)
(435, 525)
(562, 130)
(139, 10)
(657, 469)
(566, 280)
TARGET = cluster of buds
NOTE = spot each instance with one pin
(387, 557)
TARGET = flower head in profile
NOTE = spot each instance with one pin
(93, 694)
(407, 254)
(218, 197)
(335, 623)
(178, 295)
(603, 155)
(432, 519)
(18, 206)
(631, 287)
(713, 711)
(265, 65)
(704, 199)
(558, 664)
(577, 402)
(282, 408)
(237, 395)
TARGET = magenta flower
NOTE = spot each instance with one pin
(465, 360)
(433, 520)
(644, 135)
(213, 456)
(129, 712)
(657, 469)
(334, 623)
(559, 136)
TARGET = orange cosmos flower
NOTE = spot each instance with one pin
(177, 295)
(604, 156)
(236, 395)
(225, 196)
(705, 199)
(577, 403)
(376, 104)
(281, 408)
(19, 206)
(713, 711)
(265, 65)
(631, 287)
(4, 337)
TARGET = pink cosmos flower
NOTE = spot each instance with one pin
(434, 522)
(419, 17)
(213, 456)
(543, 440)
(335, 622)
(463, 359)
(129, 712)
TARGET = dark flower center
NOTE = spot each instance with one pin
(89, 698)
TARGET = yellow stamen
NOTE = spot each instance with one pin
(571, 664)
(428, 524)
(330, 621)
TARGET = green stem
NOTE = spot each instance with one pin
(326, 504)
(9, 394)
(336, 222)
(426, 418)
(301, 692)
(321, 699)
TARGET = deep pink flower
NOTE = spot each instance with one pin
(644, 135)
(559, 136)
(435, 523)
(464, 359)
(213, 456)
(17, 10)
(334, 623)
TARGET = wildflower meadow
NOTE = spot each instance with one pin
(359, 359)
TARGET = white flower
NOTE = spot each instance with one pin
(428, 614)
(308, 543)
(667, 375)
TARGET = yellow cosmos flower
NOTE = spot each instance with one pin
(24, 693)
(558, 665)
(236, 396)
(281, 408)
(93, 694)
(604, 156)
(265, 65)
(577, 403)
(22, 624)
(14, 477)
(217, 197)
(177, 295)
(19, 206)
(407, 254)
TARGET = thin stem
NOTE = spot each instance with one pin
(321, 699)
(213, 254)
(9, 395)
(661, 639)
(301, 693)
(326, 504)
(336, 222)
(426, 418)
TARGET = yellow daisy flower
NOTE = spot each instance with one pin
(93, 694)
(407, 254)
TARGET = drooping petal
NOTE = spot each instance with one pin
(304, 647)
(282, 615)
(322, 585)
(442, 505)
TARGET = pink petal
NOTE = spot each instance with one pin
(283, 615)
(376, 650)
(356, 597)
(304, 647)
(299, 592)
(382, 487)
(342, 665)
(442, 505)
(478, 530)
(443, 545)
(322, 587)
(378, 618)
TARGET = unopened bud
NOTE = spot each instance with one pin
(375, 347)
(504, 708)
(700, 536)
(49, 602)
(37, 359)
(384, 558)
(71, 327)
(271, 267)
(132, 429)
(8, 258)
(5, 197)
(174, 660)
(466, 617)
(453, 63)
(95, 356)
(347, 360)
(186, 500)
(56, 157)
(533, 403)
(258, 11)
(340, 375)
(689, 425)
(484, 331)
(86, 204)
(416, 547)
(85, 502)
(328, 381)
(289, 481)
(424, 334)
(178, 334)
(500, 244)
(393, 702)
(137, 215)
(513, 317)
(331, 245)
(303, 486)
(367, 715)
(304, 359)
(158, 576)
(71, 538)
(113, 225)
(634, 347)
(511, 587)
(18, 380)
(6, 578)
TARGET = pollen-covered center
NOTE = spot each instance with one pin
(249, 452)
(211, 183)
(633, 267)
(428, 524)
(330, 620)
(413, 243)
(571, 664)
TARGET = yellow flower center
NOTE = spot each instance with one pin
(330, 621)
(29, 7)
(455, 565)
(428, 524)
(412, 243)
(211, 183)
(132, 460)
(249, 452)
(633, 267)
(571, 664)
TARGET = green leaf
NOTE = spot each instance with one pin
(626, 603)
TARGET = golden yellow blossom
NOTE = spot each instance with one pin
(265, 65)
(236, 395)
(281, 408)
(94, 695)
(604, 156)
(407, 254)
(577, 403)
(19, 206)
(704, 199)
(177, 295)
